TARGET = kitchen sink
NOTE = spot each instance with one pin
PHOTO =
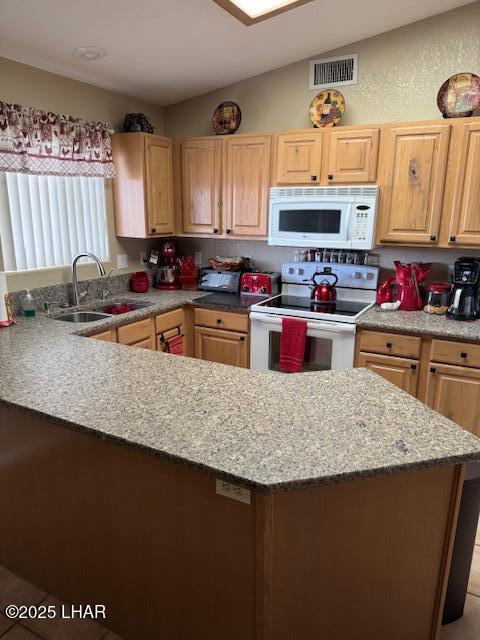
(82, 316)
(123, 306)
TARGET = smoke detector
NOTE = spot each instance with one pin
(89, 54)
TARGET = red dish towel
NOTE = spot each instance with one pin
(175, 345)
(292, 344)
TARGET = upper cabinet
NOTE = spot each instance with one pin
(246, 186)
(462, 198)
(143, 186)
(201, 175)
(298, 158)
(352, 156)
(412, 181)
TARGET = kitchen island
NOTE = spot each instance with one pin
(197, 500)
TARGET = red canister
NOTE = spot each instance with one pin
(139, 282)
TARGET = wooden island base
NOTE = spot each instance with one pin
(92, 521)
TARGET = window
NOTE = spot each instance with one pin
(46, 220)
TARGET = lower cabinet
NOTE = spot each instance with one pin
(402, 372)
(455, 393)
(221, 337)
(225, 347)
(444, 374)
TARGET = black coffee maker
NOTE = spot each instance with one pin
(465, 304)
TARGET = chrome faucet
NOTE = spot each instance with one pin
(101, 272)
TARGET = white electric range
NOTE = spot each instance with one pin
(330, 328)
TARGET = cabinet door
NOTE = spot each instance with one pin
(402, 372)
(225, 347)
(246, 186)
(353, 156)
(159, 186)
(455, 393)
(465, 199)
(415, 161)
(299, 158)
(201, 185)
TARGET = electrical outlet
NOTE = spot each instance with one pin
(233, 491)
(122, 261)
(198, 258)
(143, 258)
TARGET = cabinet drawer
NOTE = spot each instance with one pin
(221, 320)
(390, 344)
(134, 332)
(168, 320)
(144, 344)
(106, 336)
(461, 353)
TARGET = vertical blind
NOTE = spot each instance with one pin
(51, 219)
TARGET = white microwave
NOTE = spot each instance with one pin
(324, 217)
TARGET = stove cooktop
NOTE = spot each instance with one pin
(343, 310)
(234, 300)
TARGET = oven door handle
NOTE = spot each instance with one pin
(336, 327)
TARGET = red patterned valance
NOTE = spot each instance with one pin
(34, 141)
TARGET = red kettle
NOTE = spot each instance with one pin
(324, 291)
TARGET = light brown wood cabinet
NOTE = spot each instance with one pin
(402, 372)
(106, 336)
(352, 155)
(455, 393)
(298, 158)
(143, 185)
(225, 347)
(246, 186)
(462, 199)
(445, 374)
(201, 176)
(414, 162)
(221, 337)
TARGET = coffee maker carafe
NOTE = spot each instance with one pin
(465, 296)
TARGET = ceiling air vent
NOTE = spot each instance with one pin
(331, 72)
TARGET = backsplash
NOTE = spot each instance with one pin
(62, 293)
(269, 258)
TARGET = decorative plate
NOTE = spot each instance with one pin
(459, 96)
(227, 118)
(327, 108)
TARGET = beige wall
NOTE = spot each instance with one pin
(400, 73)
(26, 85)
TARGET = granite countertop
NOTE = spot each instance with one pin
(419, 323)
(265, 431)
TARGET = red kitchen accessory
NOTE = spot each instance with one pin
(385, 291)
(292, 345)
(139, 282)
(259, 284)
(323, 292)
(408, 279)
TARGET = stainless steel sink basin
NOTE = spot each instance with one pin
(120, 306)
(82, 316)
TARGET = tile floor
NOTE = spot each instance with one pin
(15, 590)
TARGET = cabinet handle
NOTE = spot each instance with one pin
(330, 176)
(215, 231)
(413, 366)
(229, 231)
(219, 320)
(464, 354)
(389, 345)
(242, 338)
(452, 239)
(313, 178)
(153, 231)
(433, 238)
(433, 370)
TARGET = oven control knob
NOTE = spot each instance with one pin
(291, 270)
(300, 272)
(358, 275)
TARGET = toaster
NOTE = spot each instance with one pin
(260, 284)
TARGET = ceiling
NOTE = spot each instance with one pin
(166, 51)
